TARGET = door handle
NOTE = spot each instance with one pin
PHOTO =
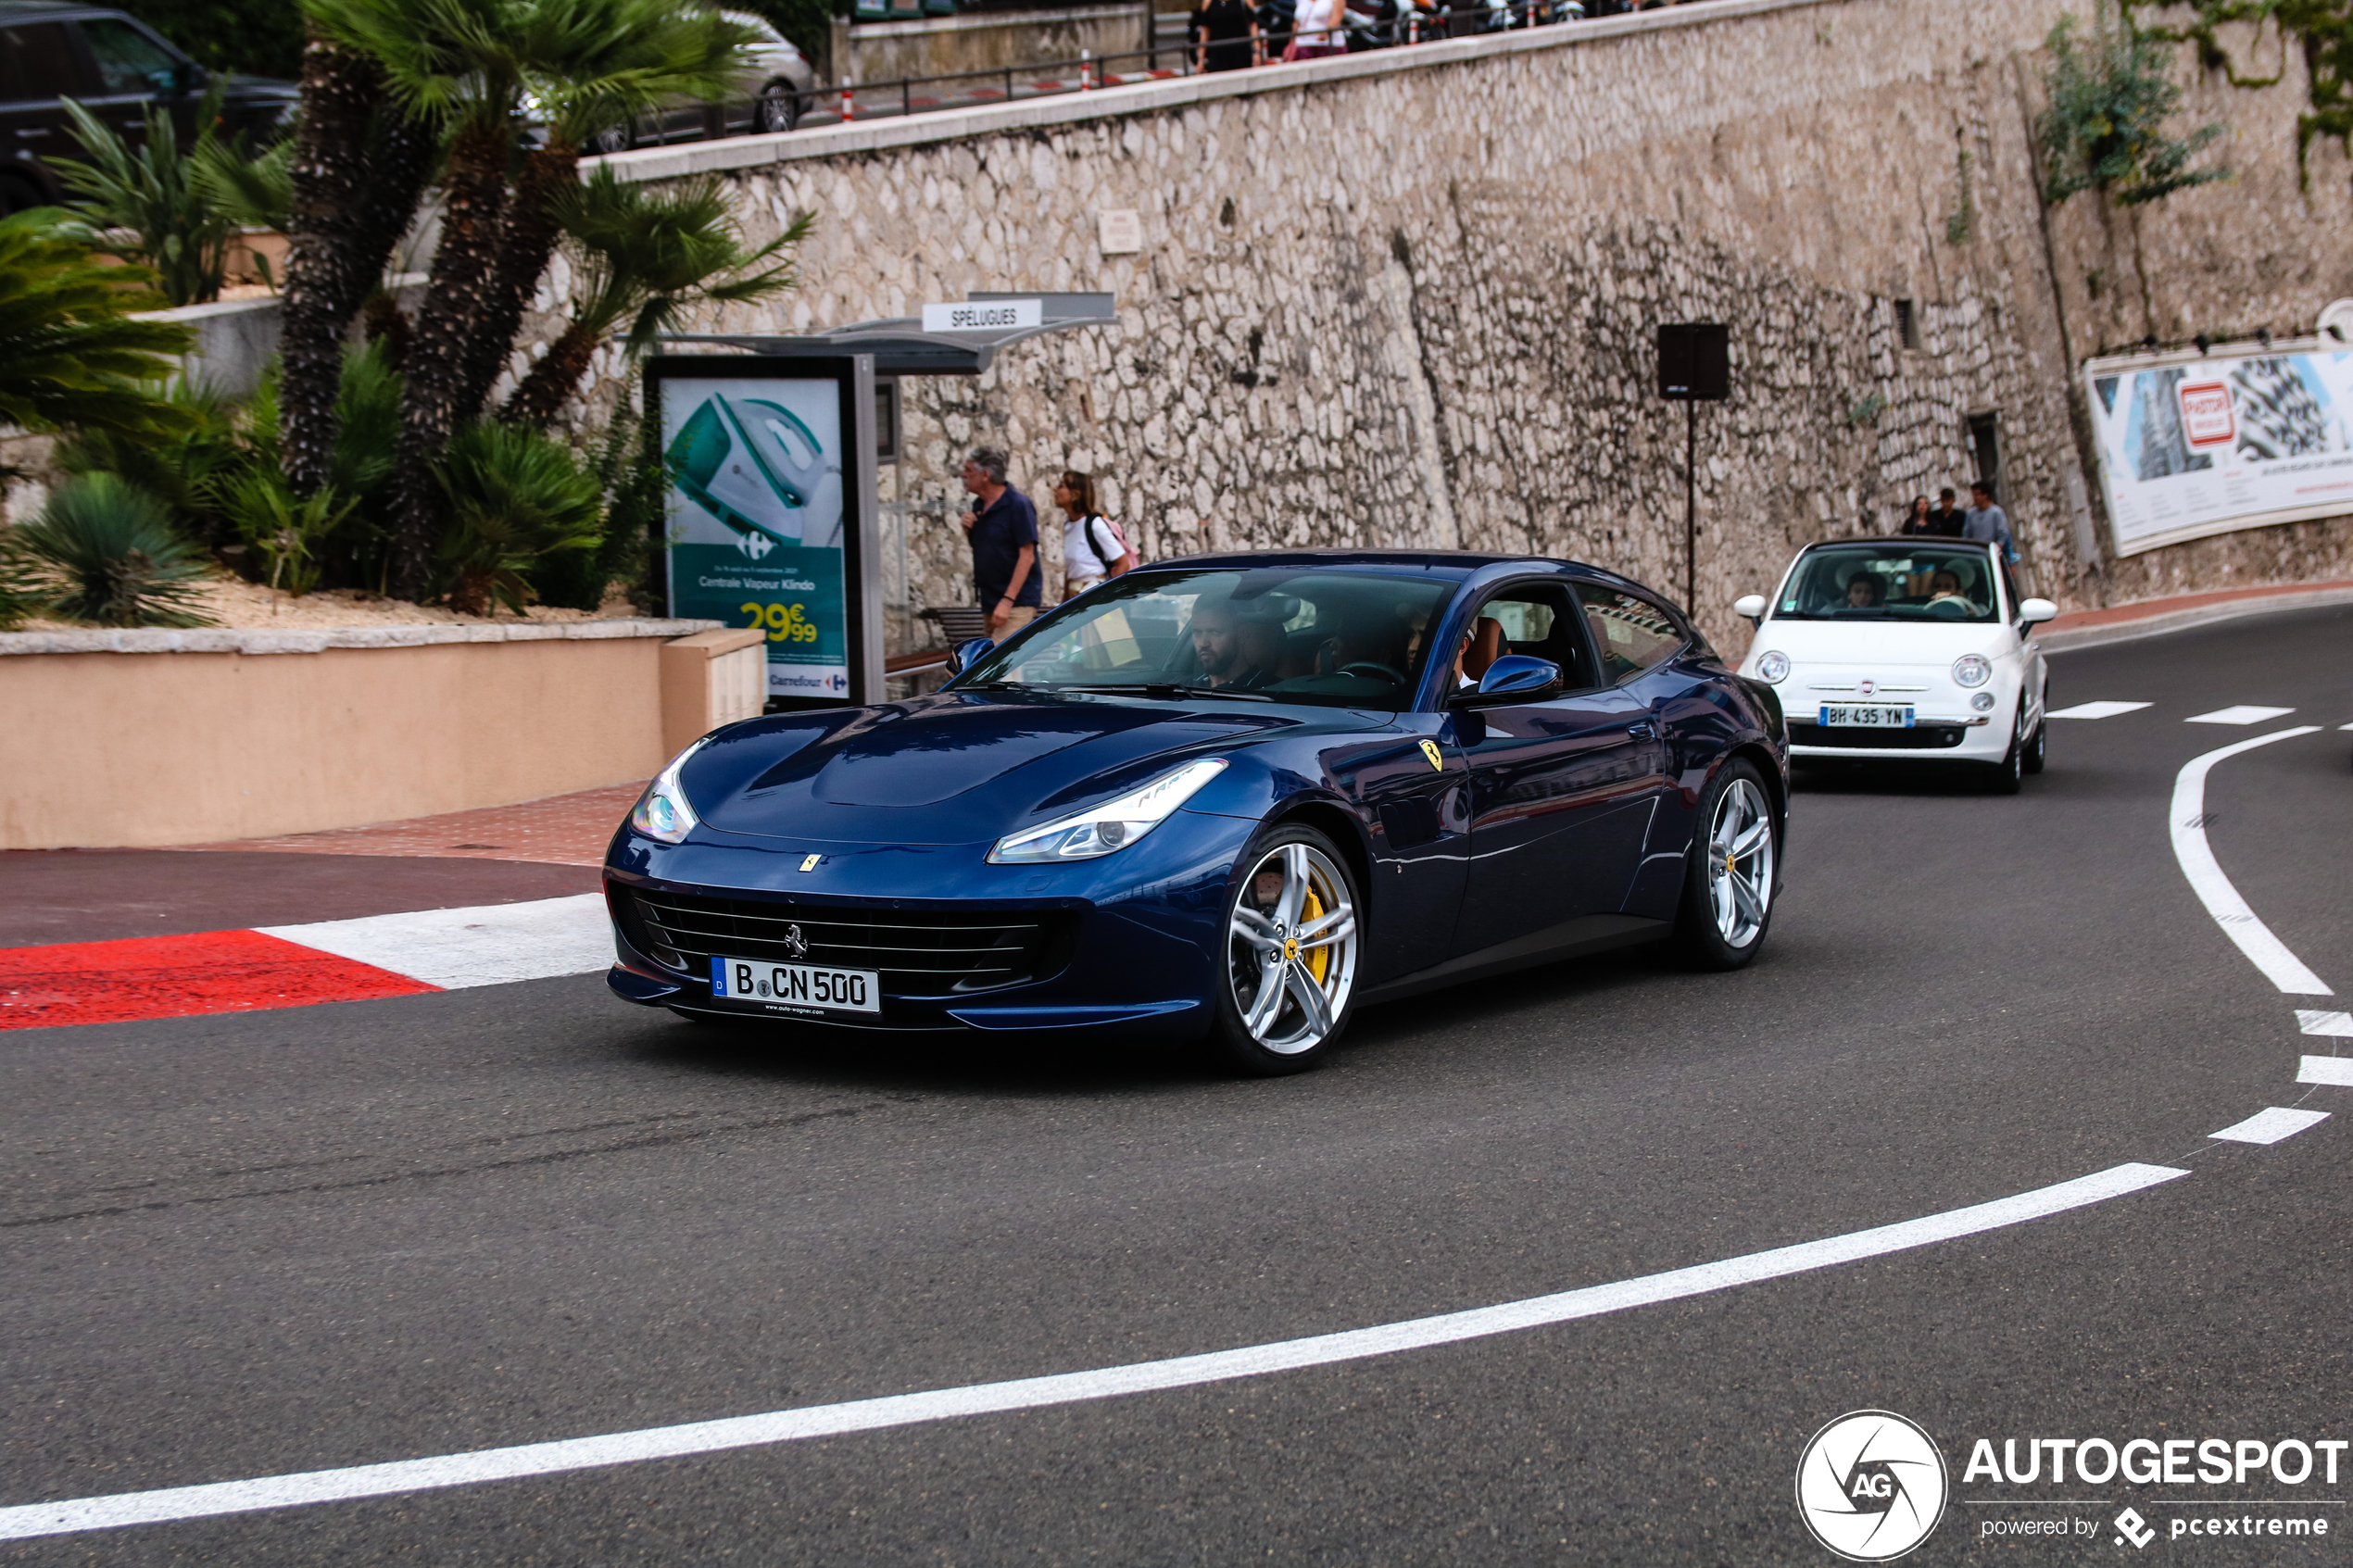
(1641, 729)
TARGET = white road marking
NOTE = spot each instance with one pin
(486, 945)
(2245, 713)
(2337, 1070)
(2096, 710)
(2323, 1023)
(1033, 1392)
(2267, 952)
(2271, 1125)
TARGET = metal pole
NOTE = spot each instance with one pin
(1690, 508)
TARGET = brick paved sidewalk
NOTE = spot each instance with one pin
(566, 830)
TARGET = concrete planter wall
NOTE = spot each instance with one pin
(888, 51)
(152, 738)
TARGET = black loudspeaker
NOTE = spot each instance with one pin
(1694, 361)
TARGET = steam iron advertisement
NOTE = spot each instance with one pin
(755, 512)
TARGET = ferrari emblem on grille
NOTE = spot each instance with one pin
(809, 862)
(794, 944)
(1429, 749)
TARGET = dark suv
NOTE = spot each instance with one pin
(116, 67)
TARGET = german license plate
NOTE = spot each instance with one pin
(811, 987)
(1865, 716)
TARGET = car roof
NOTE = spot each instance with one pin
(1899, 541)
(1456, 564)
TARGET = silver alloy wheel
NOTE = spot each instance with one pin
(1740, 863)
(1292, 956)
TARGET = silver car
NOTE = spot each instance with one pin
(775, 87)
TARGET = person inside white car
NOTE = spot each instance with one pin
(1865, 591)
(1945, 588)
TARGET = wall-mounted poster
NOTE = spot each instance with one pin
(2192, 444)
(761, 513)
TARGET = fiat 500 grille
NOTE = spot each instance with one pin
(918, 952)
(1920, 737)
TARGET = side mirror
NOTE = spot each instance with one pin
(1515, 676)
(964, 655)
(2031, 612)
(1751, 607)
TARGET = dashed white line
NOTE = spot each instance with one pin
(1033, 1392)
(482, 944)
(2096, 710)
(2266, 951)
(2313, 1022)
(2334, 1070)
(2245, 713)
(2271, 1126)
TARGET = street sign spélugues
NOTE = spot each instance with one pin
(984, 316)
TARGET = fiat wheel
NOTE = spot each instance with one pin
(1287, 975)
(2006, 776)
(1728, 888)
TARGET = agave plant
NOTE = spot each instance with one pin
(109, 552)
(516, 498)
(70, 355)
(287, 533)
(646, 256)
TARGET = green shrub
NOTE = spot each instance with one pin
(71, 356)
(153, 192)
(2105, 127)
(182, 473)
(517, 500)
(287, 535)
(23, 588)
(107, 550)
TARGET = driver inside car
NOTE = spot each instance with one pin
(1234, 648)
(1864, 591)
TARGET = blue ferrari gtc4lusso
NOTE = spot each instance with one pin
(1231, 798)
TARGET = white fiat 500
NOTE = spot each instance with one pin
(1912, 649)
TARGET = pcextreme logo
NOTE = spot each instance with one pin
(1871, 1485)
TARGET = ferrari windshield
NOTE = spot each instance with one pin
(1332, 637)
(1920, 582)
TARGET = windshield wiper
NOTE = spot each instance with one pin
(1163, 691)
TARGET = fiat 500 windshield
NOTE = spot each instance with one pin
(1341, 639)
(1874, 583)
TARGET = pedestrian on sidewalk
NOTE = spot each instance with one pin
(1003, 528)
(1316, 30)
(1225, 35)
(1948, 518)
(1916, 520)
(1987, 523)
(1093, 548)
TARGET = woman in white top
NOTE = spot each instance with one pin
(1317, 30)
(1092, 548)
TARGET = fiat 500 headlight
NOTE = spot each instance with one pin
(1971, 669)
(1773, 668)
(1113, 825)
(663, 811)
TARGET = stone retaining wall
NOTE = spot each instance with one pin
(1407, 298)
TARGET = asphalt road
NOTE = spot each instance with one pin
(251, 1244)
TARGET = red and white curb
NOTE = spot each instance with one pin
(282, 966)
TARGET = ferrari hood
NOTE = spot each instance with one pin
(949, 769)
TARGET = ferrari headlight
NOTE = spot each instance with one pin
(1971, 669)
(663, 811)
(1773, 668)
(1113, 825)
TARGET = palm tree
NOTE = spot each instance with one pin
(70, 354)
(644, 258)
(359, 165)
(472, 65)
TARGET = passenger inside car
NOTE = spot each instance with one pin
(1945, 588)
(1865, 591)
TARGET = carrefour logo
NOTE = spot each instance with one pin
(1871, 1485)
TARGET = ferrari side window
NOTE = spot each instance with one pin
(1632, 632)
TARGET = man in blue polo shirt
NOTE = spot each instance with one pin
(1002, 527)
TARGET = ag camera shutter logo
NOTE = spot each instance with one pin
(1871, 1485)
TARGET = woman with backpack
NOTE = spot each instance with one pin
(1093, 548)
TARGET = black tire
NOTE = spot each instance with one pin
(2037, 749)
(2005, 777)
(615, 139)
(776, 109)
(1263, 948)
(1704, 937)
(20, 196)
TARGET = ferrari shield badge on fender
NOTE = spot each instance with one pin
(809, 862)
(1429, 749)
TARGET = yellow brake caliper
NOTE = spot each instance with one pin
(1320, 960)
